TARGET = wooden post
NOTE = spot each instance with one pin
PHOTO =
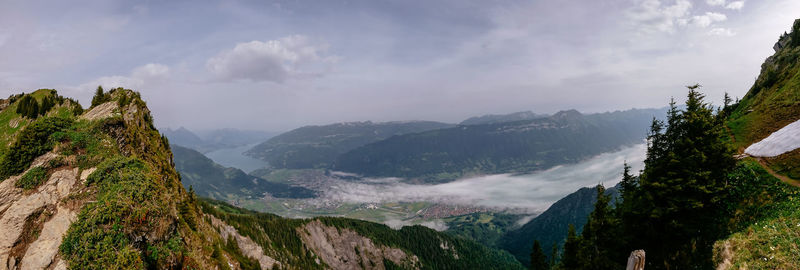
(636, 260)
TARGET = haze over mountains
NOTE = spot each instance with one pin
(210, 140)
(318, 146)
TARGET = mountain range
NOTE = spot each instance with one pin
(505, 147)
(210, 140)
(319, 146)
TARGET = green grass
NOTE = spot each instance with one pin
(33, 141)
(32, 179)
(766, 221)
(772, 102)
(769, 244)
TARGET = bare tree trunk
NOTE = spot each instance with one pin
(636, 260)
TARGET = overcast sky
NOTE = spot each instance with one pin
(277, 65)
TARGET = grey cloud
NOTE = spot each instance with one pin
(273, 60)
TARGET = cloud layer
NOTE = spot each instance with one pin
(532, 193)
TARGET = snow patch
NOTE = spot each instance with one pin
(779, 142)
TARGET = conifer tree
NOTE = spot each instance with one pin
(570, 259)
(680, 189)
(629, 182)
(538, 259)
(601, 236)
(99, 96)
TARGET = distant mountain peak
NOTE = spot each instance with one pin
(567, 115)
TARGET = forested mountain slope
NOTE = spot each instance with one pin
(211, 180)
(521, 146)
(550, 227)
(318, 146)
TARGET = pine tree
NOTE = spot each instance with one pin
(601, 236)
(677, 203)
(99, 96)
(629, 182)
(726, 101)
(570, 259)
(538, 259)
(554, 255)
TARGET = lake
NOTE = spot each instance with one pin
(234, 157)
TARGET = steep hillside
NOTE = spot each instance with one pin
(772, 102)
(99, 190)
(766, 227)
(209, 179)
(96, 191)
(353, 244)
(318, 146)
(551, 226)
(522, 146)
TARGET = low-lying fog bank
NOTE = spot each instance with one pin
(531, 193)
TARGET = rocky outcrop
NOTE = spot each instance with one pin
(248, 247)
(101, 111)
(32, 223)
(636, 260)
(41, 252)
(346, 249)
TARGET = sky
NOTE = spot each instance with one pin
(278, 65)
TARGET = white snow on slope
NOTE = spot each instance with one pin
(779, 142)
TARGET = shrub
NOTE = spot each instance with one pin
(32, 179)
(33, 141)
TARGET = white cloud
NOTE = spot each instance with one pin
(140, 77)
(715, 2)
(530, 192)
(708, 19)
(273, 60)
(151, 72)
(736, 5)
(653, 15)
(724, 32)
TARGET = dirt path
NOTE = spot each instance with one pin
(783, 178)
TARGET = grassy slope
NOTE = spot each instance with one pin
(7, 132)
(134, 213)
(767, 227)
(772, 103)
